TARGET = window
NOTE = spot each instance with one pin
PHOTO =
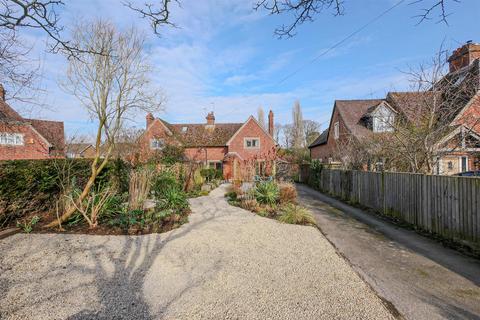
(217, 165)
(383, 124)
(383, 119)
(450, 165)
(252, 143)
(11, 139)
(156, 144)
(336, 130)
(184, 129)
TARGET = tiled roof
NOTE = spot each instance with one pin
(52, 131)
(413, 105)
(77, 148)
(322, 139)
(201, 135)
(352, 112)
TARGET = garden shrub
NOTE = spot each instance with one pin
(294, 214)
(267, 192)
(34, 186)
(288, 193)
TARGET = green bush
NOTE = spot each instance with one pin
(33, 186)
(162, 182)
(267, 192)
(294, 214)
(173, 199)
(172, 154)
(232, 195)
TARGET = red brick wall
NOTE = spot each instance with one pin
(252, 130)
(156, 131)
(34, 146)
(206, 154)
(328, 150)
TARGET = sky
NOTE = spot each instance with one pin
(224, 57)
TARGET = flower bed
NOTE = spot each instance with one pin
(270, 199)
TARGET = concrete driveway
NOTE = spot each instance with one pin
(423, 279)
(226, 263)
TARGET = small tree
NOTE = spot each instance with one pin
(110, 85)
(261, 117)
(298, 134)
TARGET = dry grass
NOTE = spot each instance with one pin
(288, 193)
(294, 214)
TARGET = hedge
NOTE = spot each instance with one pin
(33, 186)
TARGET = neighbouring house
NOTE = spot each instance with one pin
(22, 138)
(357, 121)
(80, 150)
(234, 148)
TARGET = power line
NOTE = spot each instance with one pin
(351, 35)
(337, 44)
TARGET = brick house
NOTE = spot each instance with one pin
(458, 151)
(231, 147)
(22, 138)
(80, 150)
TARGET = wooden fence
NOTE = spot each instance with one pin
(442, 205)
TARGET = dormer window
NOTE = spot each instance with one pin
(184, 129)
(157, 144)
(382, 119)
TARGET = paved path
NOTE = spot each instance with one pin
(423, 279)
(226, 263)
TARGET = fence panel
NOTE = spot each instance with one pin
(444, 205)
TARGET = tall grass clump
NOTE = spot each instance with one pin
(294, 214)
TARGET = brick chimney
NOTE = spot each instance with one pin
(270, 123)
(149, 119)
(464, 55)
(210, 119)
(2, 92)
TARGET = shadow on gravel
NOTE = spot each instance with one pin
(121, 293)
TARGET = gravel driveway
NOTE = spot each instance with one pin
(226, 263)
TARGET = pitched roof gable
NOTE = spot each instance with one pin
(52, 132)
(251, 118)
(321, 139)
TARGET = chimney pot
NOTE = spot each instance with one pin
(149, 119)
(210, 119)
(464, 56)
(270, 123)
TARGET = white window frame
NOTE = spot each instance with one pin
(11, 139)
(251, 139)
(460, 163)
(336, 130)
(154, 144)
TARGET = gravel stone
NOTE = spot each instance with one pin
(226, 263)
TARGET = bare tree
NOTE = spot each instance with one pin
(311, 131)
(429, 124)
(298, 137)
(111, 86)
(307, 10)
(44, 15)
(17, 72)
(261, 117)
(158, 16)
(277, 132)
